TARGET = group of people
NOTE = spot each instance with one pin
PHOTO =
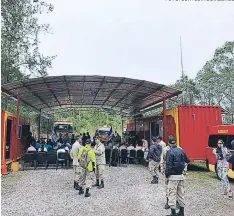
(88, 163)
(171, 160)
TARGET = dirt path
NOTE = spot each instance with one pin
(127, 192)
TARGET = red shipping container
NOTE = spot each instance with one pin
(194, 122)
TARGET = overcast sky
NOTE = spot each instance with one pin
(135, 38)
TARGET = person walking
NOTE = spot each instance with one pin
(154, 159)
(76, 167)
(87, 162)
(221, 154)
(99, 150)
(175, 163)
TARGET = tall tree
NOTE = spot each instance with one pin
(20, 39)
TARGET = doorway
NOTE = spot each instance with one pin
(8, 138)
(154, 129)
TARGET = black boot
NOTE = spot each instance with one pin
(181, 212)
(97, 183)
(166, 205)
(101, 185)
(77, 186)
(87, 194)
(81, 191)
(173, 213)
(155, 180)
(74, 184)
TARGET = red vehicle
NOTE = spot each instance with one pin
(190, 125)
(226, 133)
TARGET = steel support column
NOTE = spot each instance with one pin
(164, 120)
(39, 125)
(17, 129)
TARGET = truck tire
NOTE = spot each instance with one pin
(207, 165)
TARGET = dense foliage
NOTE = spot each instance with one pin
(214, 83)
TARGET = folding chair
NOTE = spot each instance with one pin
(41, 158)
(140, 156)
(29, 158)
(132, 155)
(51, 158)
(123, 156)
(62, 157)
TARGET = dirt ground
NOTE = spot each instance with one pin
(127, 192)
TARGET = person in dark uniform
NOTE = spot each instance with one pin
(175, 164)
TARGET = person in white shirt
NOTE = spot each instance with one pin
(163, 144)
(31, 148)
(99, 150)
(123, 146)
(129, 148)
(145, 148)
(138, 147)
(43, 148)
(76, 167)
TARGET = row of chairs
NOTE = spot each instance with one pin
(123, 155)
(45, 159)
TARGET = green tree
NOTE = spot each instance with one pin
(20, 39)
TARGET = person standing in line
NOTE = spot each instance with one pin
(175, 163)
(145, 148)
(221, 154)
(154, 156)
(99, 150)
(87, 162)
(76, 167)
(163, 168)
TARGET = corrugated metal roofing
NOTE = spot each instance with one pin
(118, 93)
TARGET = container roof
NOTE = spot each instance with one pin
(122, 94)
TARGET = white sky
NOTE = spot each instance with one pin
(135, 38)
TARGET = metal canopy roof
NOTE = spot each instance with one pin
(118, 93)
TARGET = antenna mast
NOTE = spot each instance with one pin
(181, 59)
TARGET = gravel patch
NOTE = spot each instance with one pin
(127, 192)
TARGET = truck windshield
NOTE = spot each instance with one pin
(213, 140)
(66, 128)
(103, 133)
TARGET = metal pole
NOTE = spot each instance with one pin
(39, 125)
(17, 129)
(47, 137)
(164, 121)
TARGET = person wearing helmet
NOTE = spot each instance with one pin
(87, 162)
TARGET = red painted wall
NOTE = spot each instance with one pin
(194, 122)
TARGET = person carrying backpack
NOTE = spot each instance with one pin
(87, 162)
(154, 156)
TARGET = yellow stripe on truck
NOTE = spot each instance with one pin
(212, 168)
(231, 173)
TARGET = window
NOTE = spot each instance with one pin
(19, 131)
(213, 140)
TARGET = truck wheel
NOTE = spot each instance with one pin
(216, 171)
(207, 165)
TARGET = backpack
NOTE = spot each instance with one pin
(84, 160)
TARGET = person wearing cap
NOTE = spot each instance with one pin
(99, 150)
(175, 163)
(87, 176)
(76, 167)
(154, 156)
